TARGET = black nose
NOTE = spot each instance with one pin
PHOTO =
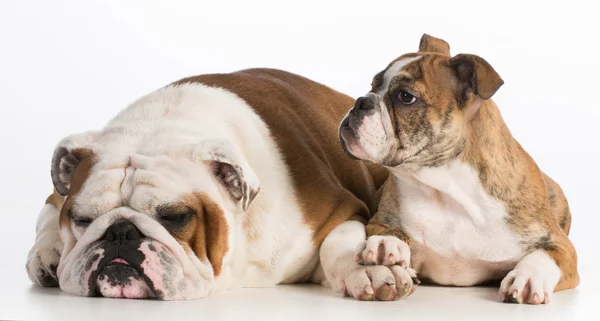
(122, 231)
(363, 103)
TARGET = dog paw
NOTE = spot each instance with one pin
(383, 250)
(42, 262)
(532, 281)
(378, 283)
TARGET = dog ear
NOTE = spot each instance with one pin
(433, 44)
(67, 155)
(476, 75)
(231, 168)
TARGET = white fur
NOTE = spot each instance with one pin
(47, 247)
(538, 270)
(195, 279)
(376, 128)
(393, 71)
(395, 251)
(345, 275)
(145, 159)
(446, 211)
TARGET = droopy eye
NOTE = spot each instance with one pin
(406, 98)
(82, 221)
(175, 214)
(173, 218)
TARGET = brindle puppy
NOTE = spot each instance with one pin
(465, 204)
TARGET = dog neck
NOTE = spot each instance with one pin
(492, 151)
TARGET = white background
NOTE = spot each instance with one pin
(69, 66)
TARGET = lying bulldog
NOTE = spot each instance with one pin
(464, 203)
(211, 183)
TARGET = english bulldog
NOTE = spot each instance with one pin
(464, 203)
(210, 183)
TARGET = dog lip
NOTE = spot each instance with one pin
(345, 123)
(343, 132)
(119, 261)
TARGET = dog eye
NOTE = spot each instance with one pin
(82, 221)
(173, 218)
(406, 98)
(175, 215)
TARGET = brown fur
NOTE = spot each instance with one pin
(55, 199)
(207, 233)
(454, 120)
(536, 204)
(303, 117)
(86, 160)
(433, 44)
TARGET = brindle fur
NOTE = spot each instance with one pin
(456, 120)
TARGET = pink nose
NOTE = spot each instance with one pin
(119, 260)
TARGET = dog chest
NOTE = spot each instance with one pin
(445, 210)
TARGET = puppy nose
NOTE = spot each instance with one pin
(122, 231)
(363, 103)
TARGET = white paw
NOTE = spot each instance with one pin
(43, 260)
(384, 250)
(532, 281)
(383, 283)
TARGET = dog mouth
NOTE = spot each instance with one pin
(347, 137)
(120, 279)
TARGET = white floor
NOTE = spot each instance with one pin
(19, 299)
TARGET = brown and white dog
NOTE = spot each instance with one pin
(211, 183)
(464, 203)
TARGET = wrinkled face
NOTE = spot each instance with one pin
(139, 226)
(416, 111)
(411, 114)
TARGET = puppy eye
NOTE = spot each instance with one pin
(406, 98)
(82, 221)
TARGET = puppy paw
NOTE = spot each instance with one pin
(532, 281)
(42, 262)
(383, 250)
(378, 283)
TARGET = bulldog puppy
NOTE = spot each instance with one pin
(211, 183)
(464, 203)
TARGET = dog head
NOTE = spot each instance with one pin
(155, 221)
(416, 111)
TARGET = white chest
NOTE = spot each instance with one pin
(446, 211)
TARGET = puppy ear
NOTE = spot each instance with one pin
(67, 155)
(433, 44)
(231, 168)
(476, 75)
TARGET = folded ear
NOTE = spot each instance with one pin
(67, 155)
(231, 168)
(476, 75)
(433, 44)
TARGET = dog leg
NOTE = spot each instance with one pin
(44, 256)
(384, 247)
(365, 283)
(541, 273)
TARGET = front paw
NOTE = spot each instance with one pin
(383, 250)
(521, 287)
(378, 283)
(532, 281)
(42, 262)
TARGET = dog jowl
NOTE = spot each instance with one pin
(464, 203)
